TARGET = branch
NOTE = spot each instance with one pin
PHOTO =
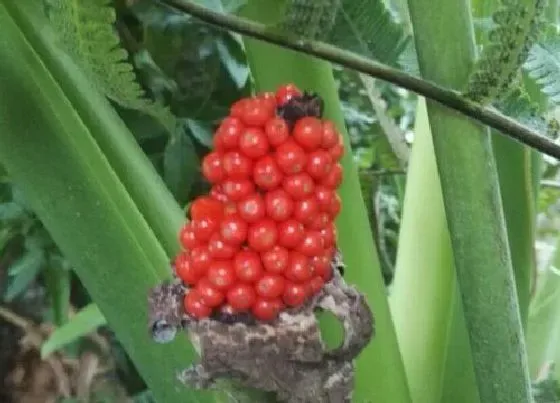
(447, 97)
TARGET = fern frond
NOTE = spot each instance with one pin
(518, 105)
(311, 19)
(85, 29)
(543, 65)
(369, 28)
(516, 29)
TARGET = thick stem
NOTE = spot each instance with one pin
(445, 96)
(470, 188)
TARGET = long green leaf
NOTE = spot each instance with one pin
(87, 320)
(48, 150)
(424, 281)
(132, 166)
(473, 209)
(379, 370)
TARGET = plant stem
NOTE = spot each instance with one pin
(471, 196)
(445, 96)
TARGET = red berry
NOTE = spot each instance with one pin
(321, 265)
(299, 186)
(308, 132)
(337, 151)
(320, 221)
(209, 294)
(286, 92)
(319, 164)
(268, 98)
(185, 271)
(252, 208)
(295, 294)
(238, 108)
(257, 112)
(200, 258)
(241, 296)
(229, 131)
(275, 260)
(205, 228)
(233, 230)
(212, 167)
(217, 193)
(237, 165)
(262, 235)
(230, 208)
(237, 189)
(270, 286)
(328, 233)
(253, 142)
(221, 274)
(194, 305)
(219, 249)
(248, 266)
(299, 269)
(188, 237)
(312, 244)
(277, 131)
(330, 135)
(266, 309)
(335, 206)
(324, 197)
(279, 205)
(290, 157)
(290, 233)
(316, 284)
(206, 207)
(306, 210)
(266, 173)
(334, 177)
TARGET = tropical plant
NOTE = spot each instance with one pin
(107, 108)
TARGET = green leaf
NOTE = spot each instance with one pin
(79, 197)
(84, 322)
(543, 65)
(11, 211)
(180, 164)
(424, 281)
(23, 272)
(310, 19)
(367, 27)
(57, 282)
(517, 27)
(201, 131)
(85, 27)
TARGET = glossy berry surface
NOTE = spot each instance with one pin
(263, 239)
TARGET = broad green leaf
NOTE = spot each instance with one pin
(424, 281)
(201, 132)
(180, 164)
(47, 145)
(84, 322)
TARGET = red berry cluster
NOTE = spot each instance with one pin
(264, 237)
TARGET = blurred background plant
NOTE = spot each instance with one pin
(198, 71)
